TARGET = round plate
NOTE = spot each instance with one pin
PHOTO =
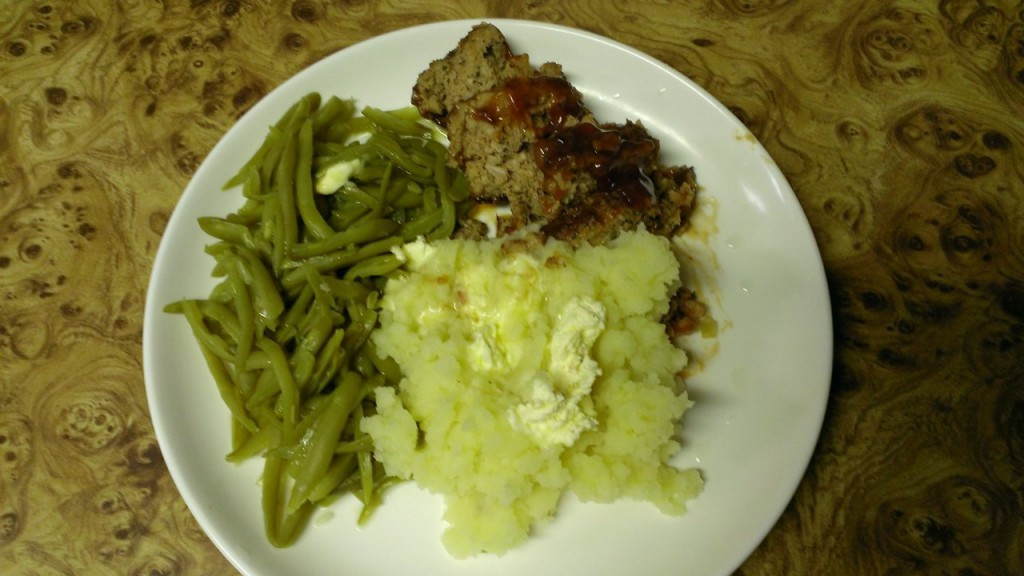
(760, 396)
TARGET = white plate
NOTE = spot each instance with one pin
(760, 400)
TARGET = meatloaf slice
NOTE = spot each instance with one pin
(496, 138)
(481, 61)
(524, 137)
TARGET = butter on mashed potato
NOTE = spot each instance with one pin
(530, 370)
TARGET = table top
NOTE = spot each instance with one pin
(897, 126)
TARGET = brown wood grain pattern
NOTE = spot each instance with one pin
(898, 124)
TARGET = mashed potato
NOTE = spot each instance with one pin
(532, 370)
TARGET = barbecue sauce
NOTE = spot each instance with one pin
(614, 159)
(564, 146)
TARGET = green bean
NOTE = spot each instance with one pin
(219, 269)
(256, 361)
(386, 365)
(252, 188)
(244, 379)
(364, 459)
(376, 266)
(249, 214)
(229, 393)
(254, 444)
(322, 295)
(422, 225)
(272, 231)
(458, 189)
(209, 341)
(341, 466)
(360, 196)
(289, 398)
(379, 488)
(302, 109)
(410, 113)
(222, 229)
(421, 155)
(280, 526)
(395, 123)
(285, 192)
(411, 197)
(372, 167)
(381, 191)
(266, 388)
(364, 443)
(359, 233)
(266, 298)
(251, 166)
(258, 158)
(347, 215)
(363, 321)
(335, 110)
(239, 437)
(286, 332)
(245, 313)
(451, 184)
(329, 361)
(334, 153)
(430, 199)
(266, 169)
(397, 184)
(320, 329)
(316, 357)
(219, 318)
(447, 226)
(392, 150)
(295, 442)
(343, 131)
(340, 259)
(272, 495)
(360, 125)
(302, 363)
(325, 437)
(314, 222)
(292, 445)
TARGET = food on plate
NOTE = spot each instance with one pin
(526, 139)
(536, 349)
(285, 334)
(493, 319)
(531, 371)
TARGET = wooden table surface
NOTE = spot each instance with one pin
(897, 123)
